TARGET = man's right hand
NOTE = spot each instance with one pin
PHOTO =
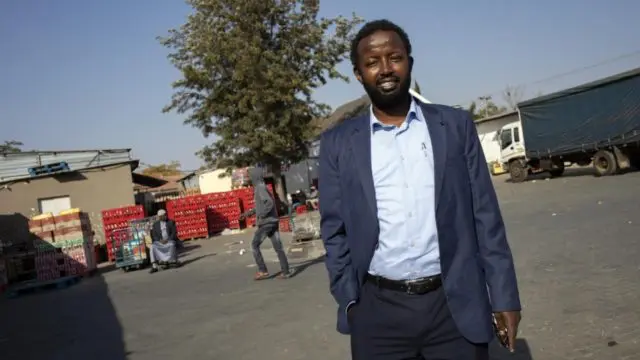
(508, 321)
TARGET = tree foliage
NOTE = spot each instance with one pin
(170, 169)
(487, 109)
(11, 146)
(513, 95)
(248, 72)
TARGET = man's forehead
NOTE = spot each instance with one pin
(381, 38)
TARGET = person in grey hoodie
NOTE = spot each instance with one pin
(267, 222)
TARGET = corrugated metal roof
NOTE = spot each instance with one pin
(343, 112)
(15, 166)
(496, 117)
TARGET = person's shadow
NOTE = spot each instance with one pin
(74, 321)
(523, 352)
(78, 322)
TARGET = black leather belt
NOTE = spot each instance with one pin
(413, 287)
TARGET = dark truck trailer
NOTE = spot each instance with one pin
(597, 122)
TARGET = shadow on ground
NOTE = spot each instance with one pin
(569, 173)
(196, 258)
(78, 322)
(301, 267)
(188, 248)
(523, 352)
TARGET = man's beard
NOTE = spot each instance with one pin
(387, 101)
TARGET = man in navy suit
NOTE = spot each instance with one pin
(416, 247)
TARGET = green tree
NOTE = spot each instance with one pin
(487, 109)
(11, 146)
(249, 69)
(472, 109)
(416, 87)
(170, 169)
(513, 95)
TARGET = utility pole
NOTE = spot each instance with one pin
(485, 101)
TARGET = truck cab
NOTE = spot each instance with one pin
(514, 158)
(511, 143)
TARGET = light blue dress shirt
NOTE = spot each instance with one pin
(403, 176)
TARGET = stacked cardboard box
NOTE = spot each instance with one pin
(63, 245)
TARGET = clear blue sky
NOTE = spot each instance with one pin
(78, 74)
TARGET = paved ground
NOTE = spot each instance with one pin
(575, 240)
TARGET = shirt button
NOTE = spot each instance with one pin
(410, 214)
(406, 186)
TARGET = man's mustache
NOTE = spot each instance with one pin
(388, 78)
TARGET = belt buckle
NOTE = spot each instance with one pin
(409, 288)
(419, 287)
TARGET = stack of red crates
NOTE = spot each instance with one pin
(118, 219)
(190, 216)
(199, 216)
(223, 211)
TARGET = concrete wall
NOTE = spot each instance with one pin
(192, 182)
(487, 132)
(92, 191)
(211, 182)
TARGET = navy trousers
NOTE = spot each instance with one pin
(391, 325)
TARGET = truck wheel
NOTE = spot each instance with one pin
(605, 163)
(518, 172)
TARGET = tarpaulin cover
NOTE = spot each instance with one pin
(587, 117)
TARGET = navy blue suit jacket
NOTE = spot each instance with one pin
(477, 266)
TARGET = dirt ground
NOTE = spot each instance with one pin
(575, 241)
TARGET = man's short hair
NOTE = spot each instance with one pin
(372, 27)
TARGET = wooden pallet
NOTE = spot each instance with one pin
(32, 287)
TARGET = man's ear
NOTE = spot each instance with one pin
(410, 64)
(357, 74)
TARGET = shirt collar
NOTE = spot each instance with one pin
(414, 114)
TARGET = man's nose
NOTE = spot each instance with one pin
(386, 68)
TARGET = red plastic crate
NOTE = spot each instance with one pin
(285, 224)
(201, 215)
(208, 214)
(118, 219)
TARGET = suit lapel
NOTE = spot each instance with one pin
(361, 149)
(438, 134)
